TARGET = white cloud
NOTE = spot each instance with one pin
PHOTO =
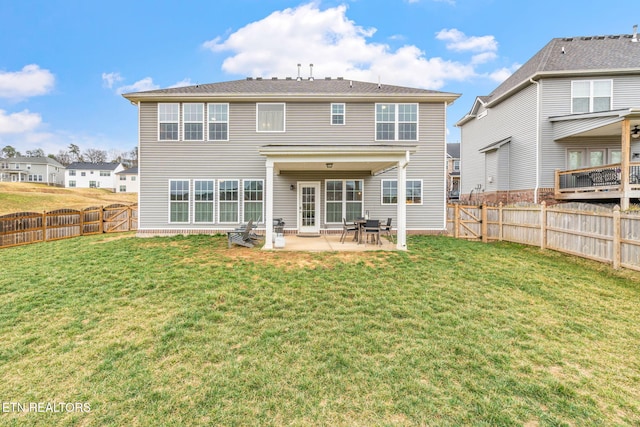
(503, 74)
(30, 81)
(336, 45)
(460, 42)
(183, 83)
(21, 122)
(139, 86)
(109, 79)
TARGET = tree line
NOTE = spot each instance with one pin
(73, 153)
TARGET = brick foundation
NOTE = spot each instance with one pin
(511, 197)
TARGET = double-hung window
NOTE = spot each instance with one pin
(253, 199)
(390, 192)
(179, 200)
(343, 199)
(228, 200)
(337, 114)
(168, 121)
(270, 117)
(396, 122)
(193, 118)
(203, 200)
(591, 96)
(218, 122)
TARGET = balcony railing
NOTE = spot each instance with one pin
(599, 179)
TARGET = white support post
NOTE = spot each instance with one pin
(401, 240)
(268, 223)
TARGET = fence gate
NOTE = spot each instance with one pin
(467, 222)
(117, 218)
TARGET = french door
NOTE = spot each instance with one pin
(308, 207)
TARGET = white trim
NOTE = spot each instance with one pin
(221, 180)
(213, 202)
(208, 118)
(591, 94)
(188, 201)
(284, 117)
(165, 121)
(397, 193)
(317, 206)
(343, 202)
(344, 114)
(396, 121)
(185, 122)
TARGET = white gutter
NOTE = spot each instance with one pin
(535, 190)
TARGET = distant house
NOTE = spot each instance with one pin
(127, 180)
(565, 126)
(315, 152)
(453, 170)
(43, 170)
(92, 175)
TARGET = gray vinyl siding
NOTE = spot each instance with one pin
(556, 101)
(514, 118)
(306, 123)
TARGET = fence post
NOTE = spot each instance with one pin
(616, 237)
(483, 223)
(82, 222)
(500, 221)
(44, 226)
(100, 220)
(456, 221)
(543, 225)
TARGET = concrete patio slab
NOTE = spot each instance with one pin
(331, 242)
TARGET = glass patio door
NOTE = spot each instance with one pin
(309, 207)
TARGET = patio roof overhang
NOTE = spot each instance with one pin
(370, 158)
(606, 123)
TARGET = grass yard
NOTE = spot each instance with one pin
(183, 331)
(25, 196)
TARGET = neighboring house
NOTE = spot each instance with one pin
(44, 170)
(312, 152)
(92, 175)
(565, 126)
(453, 170)
(127, 181)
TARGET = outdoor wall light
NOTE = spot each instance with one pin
(292, 187)
(329, 165)
(635, 133)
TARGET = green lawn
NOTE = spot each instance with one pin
(182, 331)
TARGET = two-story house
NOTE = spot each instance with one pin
(127, 180)
(314, 152)
(92, 175)
(564, 126)
(43, 170)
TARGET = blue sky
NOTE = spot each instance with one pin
(65, 64)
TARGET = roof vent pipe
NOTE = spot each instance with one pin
(299, 78)
(635, 34)
(311, 72)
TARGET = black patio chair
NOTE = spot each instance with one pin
(372, 228)
(348, 228)
(386, 229)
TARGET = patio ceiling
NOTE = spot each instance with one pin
(593, 124)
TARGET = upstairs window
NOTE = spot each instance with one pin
(270, 118)
(396, 122)
(193, 118)
(168, 118)
(591, 96)
(218, 122)
(337, 114)
(456, 165)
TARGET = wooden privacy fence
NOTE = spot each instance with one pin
(30, 227)
(589, 231)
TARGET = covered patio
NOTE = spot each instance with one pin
(615, 180)
(368, 158)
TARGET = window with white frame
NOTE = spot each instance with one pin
(343, 199)
(72, 184)
(456, 165)
(105, 173)
(270, 117)
(168, 119)
(590, 96)
(203, 200)
(179, 200)
(123, 177)
(337, 114)
(193, 121)
(390, 192)
(396, 122)
(72, 173)
(123, 188)
(228, 200)
(218, 122)
(253, 199)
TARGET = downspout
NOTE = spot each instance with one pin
(537, 186)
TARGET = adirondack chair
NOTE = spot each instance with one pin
(242, 236)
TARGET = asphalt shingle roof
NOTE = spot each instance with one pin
(93, 166)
